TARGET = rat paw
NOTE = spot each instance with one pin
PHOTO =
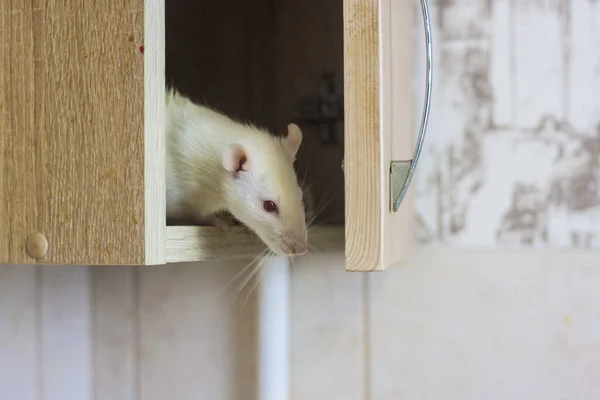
(223, 222)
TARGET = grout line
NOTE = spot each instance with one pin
(366, 336)
(92, 329)
(291, 332)
(136, 358)
(38, 300)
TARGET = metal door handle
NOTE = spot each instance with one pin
(401, 172)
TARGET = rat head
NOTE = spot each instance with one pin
(263, 192)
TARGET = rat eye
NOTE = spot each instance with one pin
(270, 206)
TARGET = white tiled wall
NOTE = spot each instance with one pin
(448, 325)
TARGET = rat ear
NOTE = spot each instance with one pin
(235, 158)
(293, 140)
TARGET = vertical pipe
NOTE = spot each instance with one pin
(274, 331)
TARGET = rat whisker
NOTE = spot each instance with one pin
(244, 269)
(306, 169)
(254, 265)
(261, 273)
(312, 246)
(310, 226)
(318, 210)
(310, 256)
(249, 277)
(258, 276)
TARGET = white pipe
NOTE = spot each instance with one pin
(274, 330)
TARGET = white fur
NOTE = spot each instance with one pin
(198, 184)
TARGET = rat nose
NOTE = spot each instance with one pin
(296, 247)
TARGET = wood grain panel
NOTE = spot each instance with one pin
(362, 154)
(378, 129)
(73, 132)
(18, 191)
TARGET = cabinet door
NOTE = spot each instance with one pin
(81, 111)
(378, 64)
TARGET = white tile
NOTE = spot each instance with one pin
(18, 333)
(502, 63)
(197, 339)
(486, 326)
(115, 333)
(539, 82)
(328, 343)
(66, 350)
(583, 64)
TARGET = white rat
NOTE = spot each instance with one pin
(215, 165)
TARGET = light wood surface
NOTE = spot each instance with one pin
(378, 74)
(203, 243)
(155, 191)
(80, 121)
(363, 185)
(398, 116)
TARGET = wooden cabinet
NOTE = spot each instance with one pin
(82, 114)
(81, 92)
(378, 64)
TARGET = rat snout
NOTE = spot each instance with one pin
(298, 248)
(295, 246)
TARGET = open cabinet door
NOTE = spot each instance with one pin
(379, 112)
(81, 131)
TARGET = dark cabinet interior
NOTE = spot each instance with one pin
(270, 62)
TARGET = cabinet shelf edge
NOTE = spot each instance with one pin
(205, 243)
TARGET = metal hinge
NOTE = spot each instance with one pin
(399, 182)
